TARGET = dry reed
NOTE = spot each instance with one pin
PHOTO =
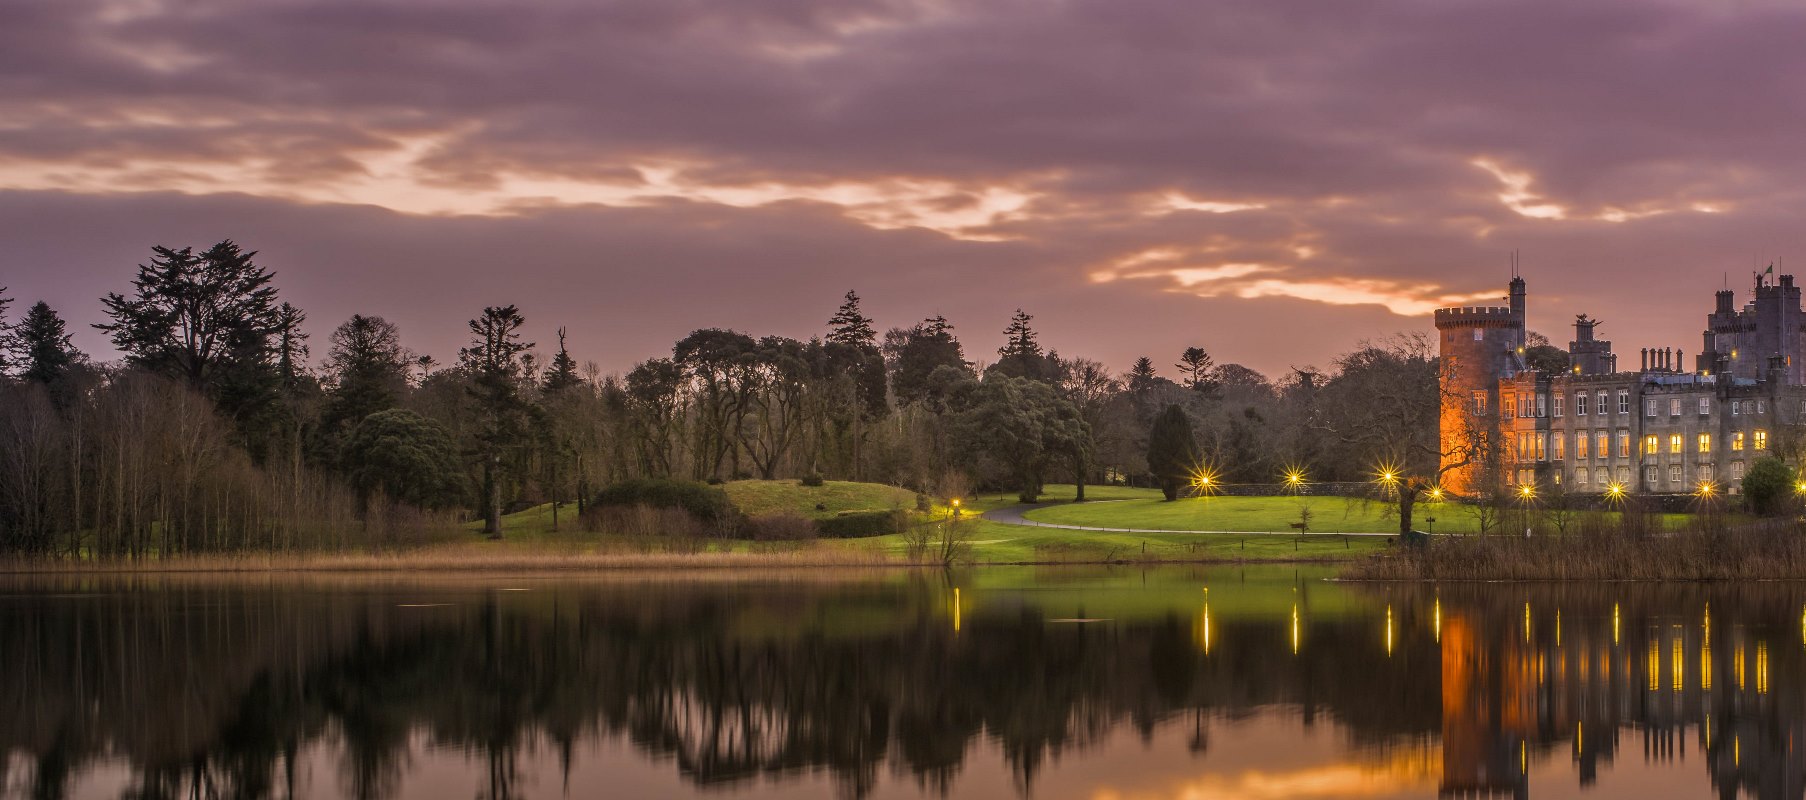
(1768, 550)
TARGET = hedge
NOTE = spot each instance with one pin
(706, 503)
(860, 524)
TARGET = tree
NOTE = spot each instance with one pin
(406, 457)
(42, 347)
(563, 373)
(1172, 451)
(1768, 482)
(1141, 375)
(1019, 426)
(1540, 355)
(1197, 367)
(495, 361)
(1021, 355)
(192, 315)
(851, 327)
(1089, 387)
(653, 398)
(366, 372)
(6, 343)
(855, 380)
(719, 367)
(915, 353)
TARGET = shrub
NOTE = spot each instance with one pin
(1768, 481)
(782, 527)
(813, 479)
(708, 504)
(644, 523)
(860, 524)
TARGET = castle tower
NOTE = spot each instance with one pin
(1479, 347)
(1589, 355)
(1769, 325)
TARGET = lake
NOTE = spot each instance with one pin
(1096, 683)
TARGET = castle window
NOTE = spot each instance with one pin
(1705, 443)
(1558, 399)
(1479, 335)
(1623, 402)
(1674, 443)
(1624, 474)
(1580, 476)
(1580, 404)
(1560, 447)
(1542, 447)
(1650, 447)
(1542, 405)
(1649, 407)
(1480, 403)
(1649, 475)
(1580, 445)
(1736, 407)
(1674, 473)
(1761, 440)
(1674, 407)
(1737, 440)
(1623, 444)
(1603, 402)
(1705, 405)
(1602, 445)
(1705, 472)
(1510, 409)
(1737, 470)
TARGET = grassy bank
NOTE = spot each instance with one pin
(1755, 551)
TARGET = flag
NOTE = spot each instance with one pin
(1771, 270)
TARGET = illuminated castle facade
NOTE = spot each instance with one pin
(1592, 427)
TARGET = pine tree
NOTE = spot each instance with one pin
(563, 374)
(1172, 451)
(43, 347)
(1198, 368)
(851, 327)
(1019, 338)
(1021, 355)
(6, 339)
(1141, 376)
(494, 362)
(192, 315)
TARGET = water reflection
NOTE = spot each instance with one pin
(1051, 683)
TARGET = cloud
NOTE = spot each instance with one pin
(1191, 168)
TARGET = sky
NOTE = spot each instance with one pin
(1273, 180)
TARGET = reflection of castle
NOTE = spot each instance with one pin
(1665, 427)
(1517, 687)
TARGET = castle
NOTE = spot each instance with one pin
(1663, 428)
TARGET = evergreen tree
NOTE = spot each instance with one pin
(1172, 451)
(494, 361)
(366, 372)
(1198, 368)
(563, 374)
(406, 457)
(192, 315)
(916, 353)
(43, 347)
(1021, 355)
(6, 339)
(1141, 376)
(851, 327)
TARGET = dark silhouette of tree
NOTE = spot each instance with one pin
(43, 348)
(192, 315)
(1172, 451)
(563, 373)
(1021, 355)
(406, 457)
(1141, 375)
(1019, 427)
(915, 353)
(366, 372)
(1197, 366)
(494, 361)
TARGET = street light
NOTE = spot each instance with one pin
(954, 503)
(1527, 491)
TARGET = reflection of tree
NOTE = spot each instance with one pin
(216, 689)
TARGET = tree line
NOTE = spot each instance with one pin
(217, 429)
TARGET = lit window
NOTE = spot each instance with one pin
(1580, 445)
(1602, 442)
(1674, 473)
(1761, 440)
(1705, 405)
(1737, 440)
(1623, 444)
(1623, 402)
(1561, 449)
(1510, 409)
(1480, 403)
(1580, 476)
(1674, 443)
(1705, 443)
(1542, 447)
(1650, 447)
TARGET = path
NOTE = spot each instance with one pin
(1014, 515)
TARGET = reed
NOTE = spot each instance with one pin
(1761, 550)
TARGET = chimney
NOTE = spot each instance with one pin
(1645, 367)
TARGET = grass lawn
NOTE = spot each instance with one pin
(1274, 514)
(756, 498)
